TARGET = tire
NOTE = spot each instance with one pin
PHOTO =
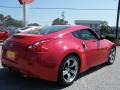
(111, 56)
(68, 70)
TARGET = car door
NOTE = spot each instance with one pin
(103, 50)
(90, 44)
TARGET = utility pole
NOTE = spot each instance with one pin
(63, 15)
(24, 15)
(23, 3)
(117, 21)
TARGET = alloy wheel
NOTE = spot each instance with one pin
(112, 56)
(70, 70)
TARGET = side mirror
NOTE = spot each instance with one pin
(102, 37)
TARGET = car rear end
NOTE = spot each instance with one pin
(18, 55)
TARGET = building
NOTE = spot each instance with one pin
(94, 24)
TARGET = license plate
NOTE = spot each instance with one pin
(10, 55)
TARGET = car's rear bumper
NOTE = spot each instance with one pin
(38, 65)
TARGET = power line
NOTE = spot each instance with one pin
(103, 9)
(75, 9)
(10, 7)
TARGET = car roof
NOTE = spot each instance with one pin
(70, 29)
(73, 28)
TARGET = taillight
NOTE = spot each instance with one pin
(40, 45)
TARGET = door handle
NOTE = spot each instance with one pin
(84, 45)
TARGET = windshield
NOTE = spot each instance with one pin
(52, 29)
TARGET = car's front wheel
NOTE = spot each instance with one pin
(69, 70)
(111, 57)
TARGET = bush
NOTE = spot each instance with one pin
(110, 37)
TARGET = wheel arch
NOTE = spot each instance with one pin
(67, 55)
(72, 53)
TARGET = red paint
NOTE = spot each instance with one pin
(25, 1)
(44, 59)
(4, 33)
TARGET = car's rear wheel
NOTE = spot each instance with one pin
(111, 57)
(69, 70)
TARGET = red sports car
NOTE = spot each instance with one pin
(57, 53)
(4, 34)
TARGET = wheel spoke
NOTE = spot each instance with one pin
(113, 58)
(68, 63)
(74, 64)
(113, 53)
(65, 72)
(73, 72)
(68, 77)
(110, 56)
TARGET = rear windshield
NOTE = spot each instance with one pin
(52, 29)
(24, 28)
(44, 30)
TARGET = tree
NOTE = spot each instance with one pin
(1, 19)
(59, 21)
(9, 21)
(105, 29)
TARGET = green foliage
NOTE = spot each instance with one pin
(110, 37)
(9, 21)
(1, 17)
(59, 21)
(105, 29)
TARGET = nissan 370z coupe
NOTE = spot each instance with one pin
(57, 53)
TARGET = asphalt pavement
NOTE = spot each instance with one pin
(102, 77)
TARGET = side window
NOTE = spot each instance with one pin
(85, 35)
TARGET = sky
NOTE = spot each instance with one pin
(45, 17)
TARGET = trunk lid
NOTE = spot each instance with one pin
(27, 39)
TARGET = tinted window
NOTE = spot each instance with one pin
(85, 35)
(52, 29)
